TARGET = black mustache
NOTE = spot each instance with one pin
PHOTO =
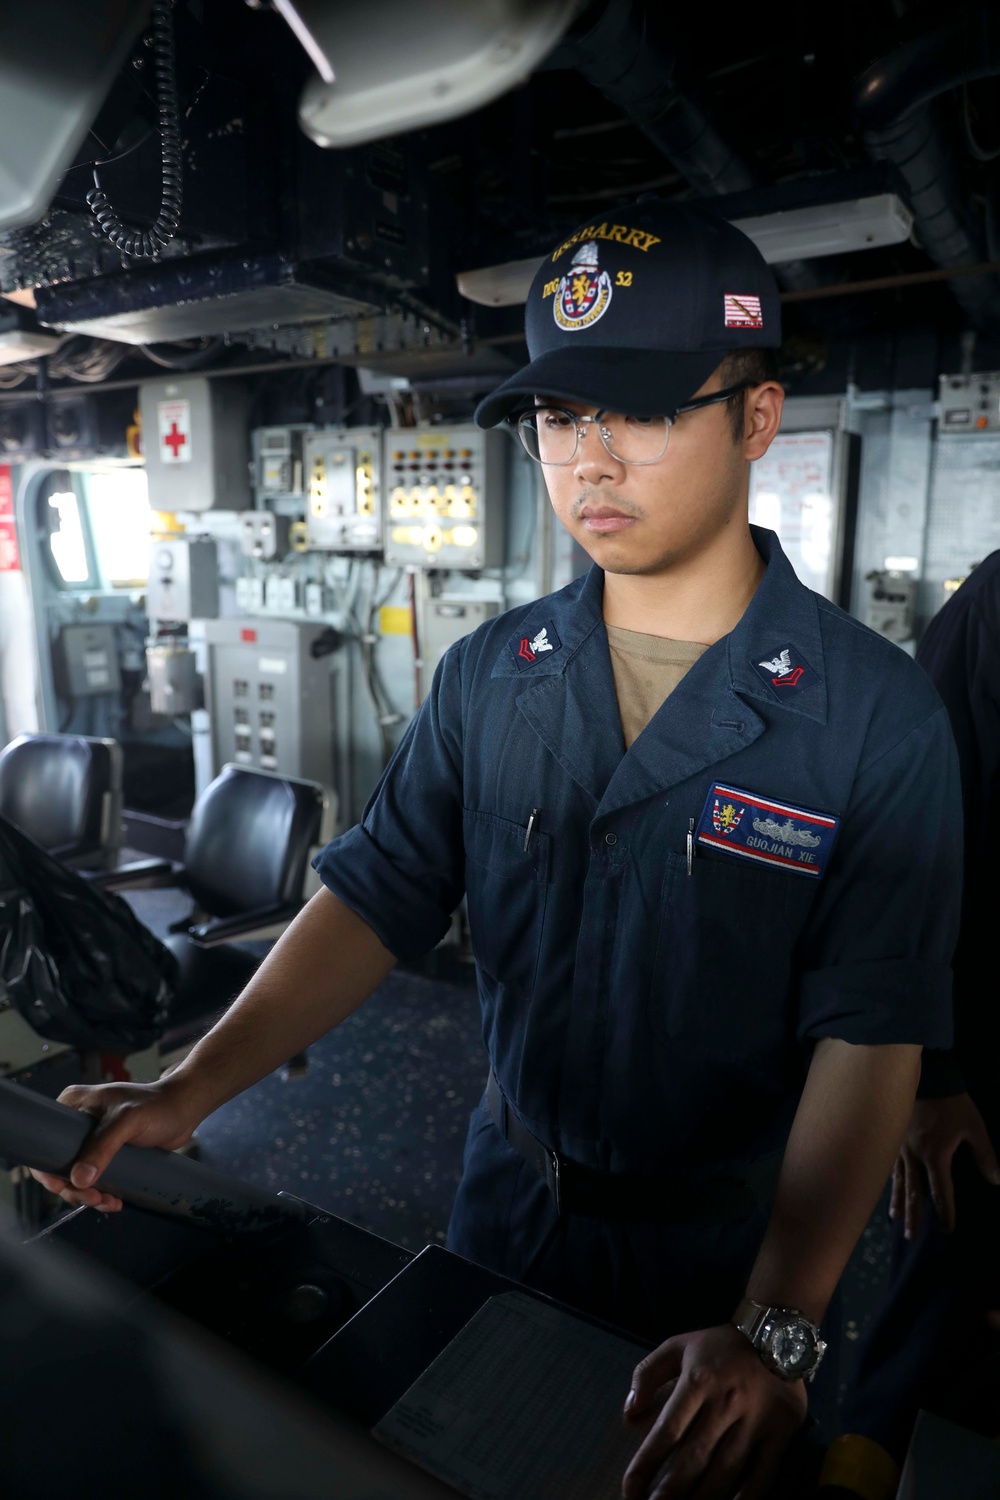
(597, 500)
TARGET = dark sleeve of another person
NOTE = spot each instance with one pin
(960, 652)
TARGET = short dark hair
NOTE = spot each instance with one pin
(756, 366)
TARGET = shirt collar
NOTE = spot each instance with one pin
(782, 613)
(574, 613)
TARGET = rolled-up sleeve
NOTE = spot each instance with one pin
(880, 941)
(401, 869)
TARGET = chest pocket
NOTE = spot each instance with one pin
(723, 974)
(506, 889)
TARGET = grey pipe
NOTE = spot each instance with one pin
(41, 1133)
(893, 104)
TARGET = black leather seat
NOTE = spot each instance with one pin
(65, 792)
(245, 863)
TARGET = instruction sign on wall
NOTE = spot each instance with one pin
(791, 493)
(174, 422)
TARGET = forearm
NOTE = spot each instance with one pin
(319, 971)
(847, 1131)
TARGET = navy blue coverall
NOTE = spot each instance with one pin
(644, 1015)
(931, 1334)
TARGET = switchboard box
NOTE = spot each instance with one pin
(263, 535)
(445, 619)
(195, 440)
(344, 478)
(444, 496)
(279, 472)
(183, 580)
(970, 403)
(270, 692)
(90, 660)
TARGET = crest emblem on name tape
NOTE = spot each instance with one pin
(584, 292)
(767, 832)
(725, 818)
(529, 648)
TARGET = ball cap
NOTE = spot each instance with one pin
(634, 311)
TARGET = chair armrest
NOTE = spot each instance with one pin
(243, 925)
(148, 873)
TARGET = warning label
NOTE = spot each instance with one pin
(10, 561)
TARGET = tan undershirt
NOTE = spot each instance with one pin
(647, 668)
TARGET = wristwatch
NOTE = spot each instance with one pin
(784, 1338)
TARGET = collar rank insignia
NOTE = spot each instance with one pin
(785, 670)
(768, 832)
(527, 649)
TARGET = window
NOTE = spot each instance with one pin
(120, 518)
(69, 550)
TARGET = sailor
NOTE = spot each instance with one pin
(939, 1322)
(709, 829)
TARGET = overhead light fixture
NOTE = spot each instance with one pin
(21, 338)
(829, 228)
(793, 234)
(388, 66)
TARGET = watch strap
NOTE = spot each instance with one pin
(749, 1318)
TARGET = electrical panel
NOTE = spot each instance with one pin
(263, 535)
(183, 580)
(444, 496)
(279, 464)
(891, 599)
(195, 440)
(445, 619)
(970, 403)
(269, 689)
(344, 477)
(89, 660)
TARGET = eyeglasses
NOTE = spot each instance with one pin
(552, 435)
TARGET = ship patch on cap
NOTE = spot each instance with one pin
(742, 311)
(584, 293)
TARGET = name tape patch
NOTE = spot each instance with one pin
(772, 833)
(538, 646)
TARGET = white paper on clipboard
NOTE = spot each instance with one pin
(525, 1401)
(791, 493)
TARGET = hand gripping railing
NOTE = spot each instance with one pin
(41, 1133)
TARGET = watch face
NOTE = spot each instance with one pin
(793, 1347)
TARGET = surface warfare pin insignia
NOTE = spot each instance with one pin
(785, 669)
(768, 832)
(527, 649)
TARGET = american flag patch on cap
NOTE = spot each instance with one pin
(743, 312)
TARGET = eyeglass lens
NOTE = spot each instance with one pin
(552, 436)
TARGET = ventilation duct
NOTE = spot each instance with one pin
(893, 103)
(618, 47)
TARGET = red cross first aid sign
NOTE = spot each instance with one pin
(174, 421)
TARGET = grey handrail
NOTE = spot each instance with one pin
(41, 1133)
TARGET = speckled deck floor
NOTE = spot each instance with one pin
(374, 1130)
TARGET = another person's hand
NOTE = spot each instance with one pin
(724, 1426)
(138, 1114)
(936, 1130)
